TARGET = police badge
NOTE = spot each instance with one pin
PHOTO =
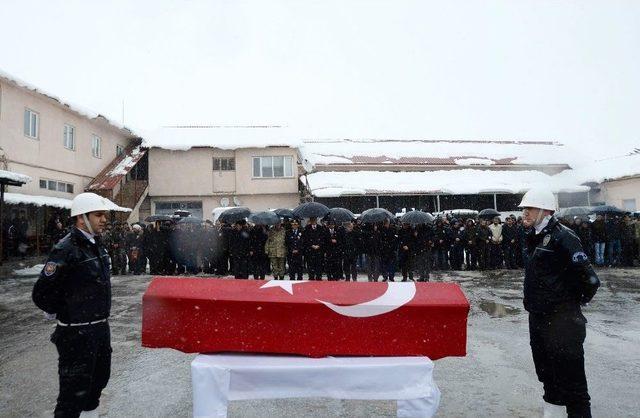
(50, 268)
(546, 240)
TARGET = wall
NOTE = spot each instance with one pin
(190, 173)
(614, 192)
(46, 157)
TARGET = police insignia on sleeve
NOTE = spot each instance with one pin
(546, 240)
(50, 268)
(580, 257)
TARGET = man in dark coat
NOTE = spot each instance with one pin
(406, 244)
(422, 243)
(372, 248)
(295, 249)
(75, 288)
(558, 279)
(471, 249)
(441, 243)
(314, 245)
(333, 252)
(509, 243)
(239, 250)
(352, 247)
(483, 236)
(457, 245)
(388, 249)
(259, 262)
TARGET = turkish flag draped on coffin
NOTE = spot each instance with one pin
(316, 319)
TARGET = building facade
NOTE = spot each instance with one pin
(218, 171)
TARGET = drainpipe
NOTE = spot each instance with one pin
(495, 202)
(377, 201)
(438, 201)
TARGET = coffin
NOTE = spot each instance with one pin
(315, 319)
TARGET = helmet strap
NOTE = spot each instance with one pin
(87, 224)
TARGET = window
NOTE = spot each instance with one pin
(56, 186)
(224, 164)
(96, 146)
(270, 167)
(629, 205)
(119, 150)
(69, 137)
(31, 123)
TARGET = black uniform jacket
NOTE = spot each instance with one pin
(558, 275)
(75, 283)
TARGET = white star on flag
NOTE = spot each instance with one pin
(284, 284)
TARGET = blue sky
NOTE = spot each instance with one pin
(535, 70)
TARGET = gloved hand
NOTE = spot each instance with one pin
(49, 316)
(589, 289)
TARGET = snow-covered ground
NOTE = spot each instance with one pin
(496, 378)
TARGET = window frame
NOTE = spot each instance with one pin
(286, 159)
(69, 128)
(56, 185)
(94, 148)
(31, 113)
(119, 150)
(229, 161)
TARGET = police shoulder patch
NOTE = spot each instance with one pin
(50, 268)
(546, 240)
(580, 257)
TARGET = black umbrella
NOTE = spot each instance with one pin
(340, 215)
(156, 218)
(375, 215)
(284, 213)
(264, 218)
(416, 217)
(190, 220)
(182, 213)
(234, 215)
(607, 210)
(310, 210)
(488, 213)
(580, 211)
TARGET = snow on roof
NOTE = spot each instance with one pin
(82, 111)
(462, 181)
(111, 175)
(604, 170)
(432, 152)
(219, 136)
(14, 177)
(26, 199)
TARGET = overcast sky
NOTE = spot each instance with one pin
(536, 70)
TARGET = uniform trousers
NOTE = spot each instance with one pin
(84, 367)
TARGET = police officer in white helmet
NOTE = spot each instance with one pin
(75, 287)
(558, 280)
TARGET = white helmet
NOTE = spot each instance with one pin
(539, 197)
(90, 202)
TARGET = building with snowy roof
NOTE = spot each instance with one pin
(199, 168)
(613, 181)
(62, 147)
(434, 175)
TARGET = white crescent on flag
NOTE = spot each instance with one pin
(397, 294)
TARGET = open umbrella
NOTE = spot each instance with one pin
(182, 213)
(190, 220)
(310, 210)
(340, 215)
(416, 217)
(488, 213)
(156, 218)
(607, 210)
(264, 218)
(234, 215)
(375, 215)
(580, 211)
(284, 213)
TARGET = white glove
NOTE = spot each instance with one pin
(49, 316)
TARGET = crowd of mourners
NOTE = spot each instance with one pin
(318, 249)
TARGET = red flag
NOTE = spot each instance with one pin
(314, 319)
